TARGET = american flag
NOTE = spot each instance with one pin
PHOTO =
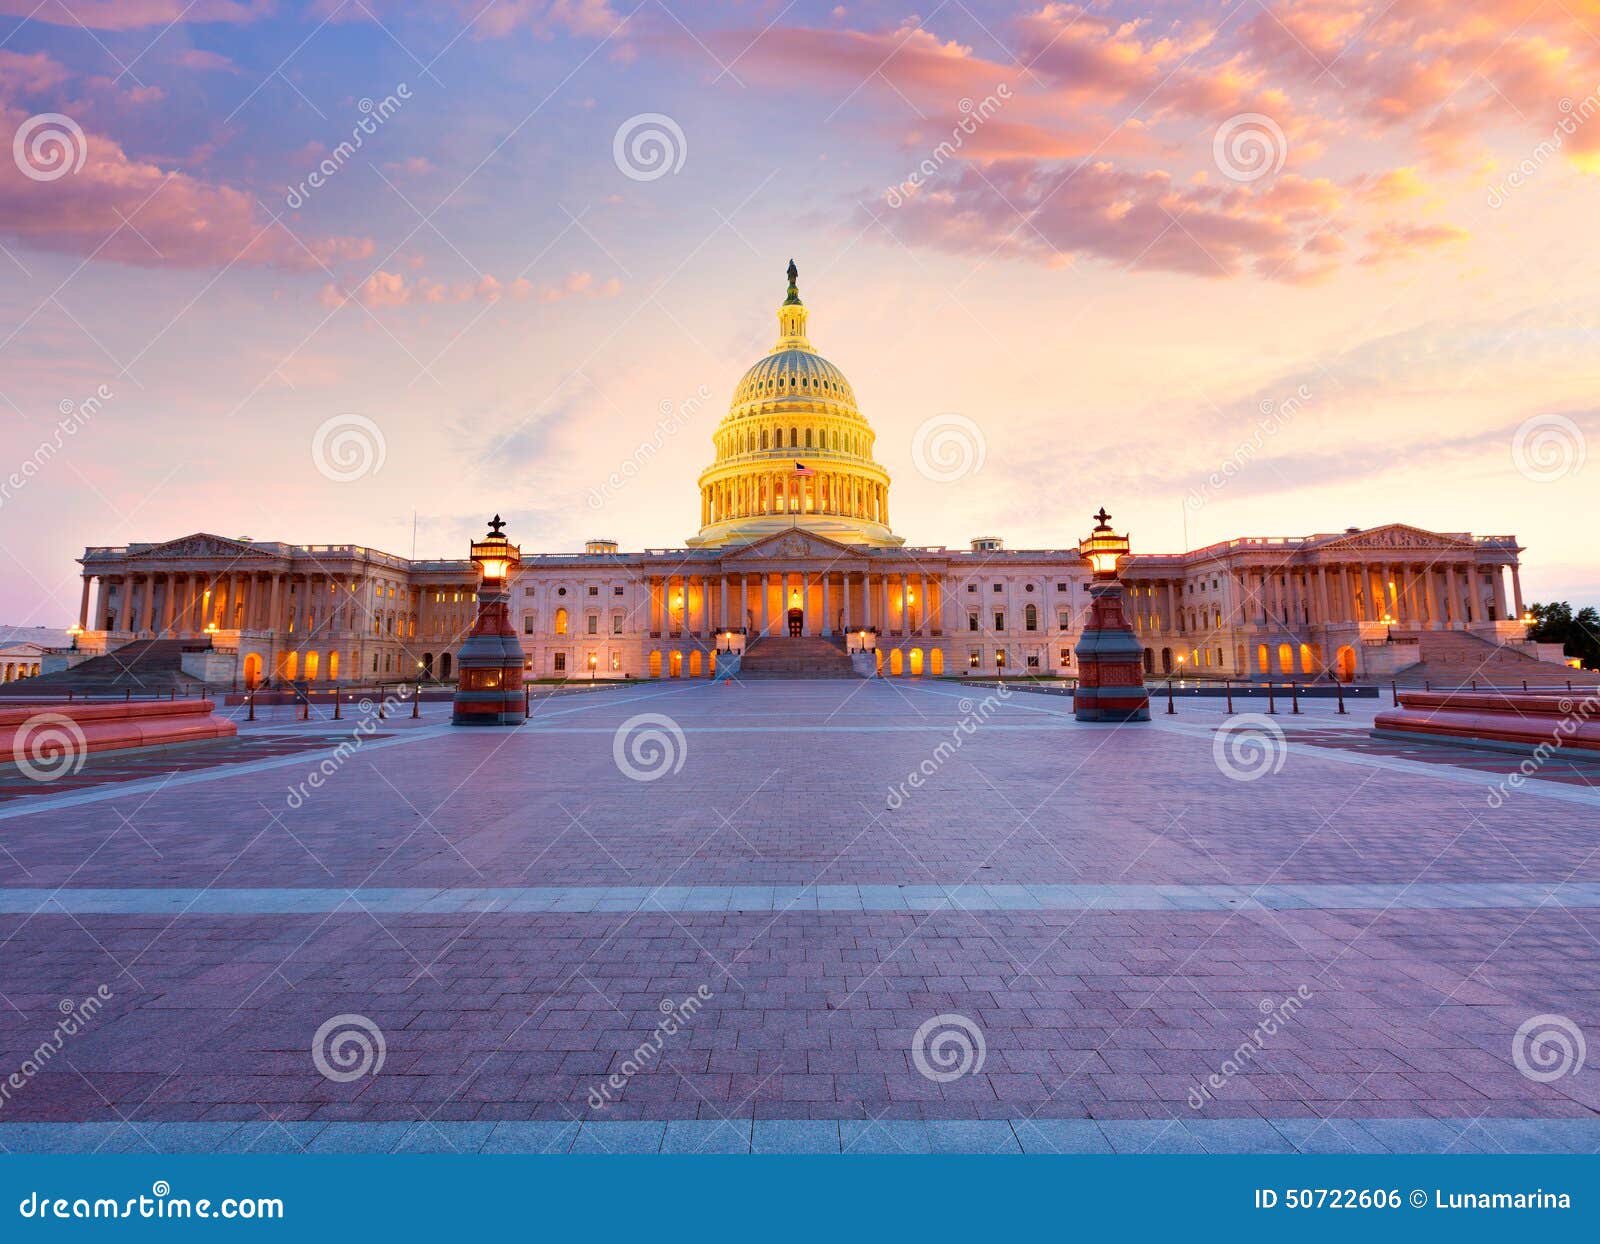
(801, 468)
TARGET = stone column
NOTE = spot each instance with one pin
(1499, 583)
(866, 599)
(126, 596)
(1434, 621)
(274, 622)
(1516, 589)
(83, 604)
(844, 591)
(827, 603)
(888, 614)
(1452, 581)
(922, 615)
(722, 592)
(766, 602)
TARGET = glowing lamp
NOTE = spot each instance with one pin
(495, 556)
(1103, 547)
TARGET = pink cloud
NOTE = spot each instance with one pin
(392, 289)
(132, 211)
(32, 73)
(132, 14)
(200, 59)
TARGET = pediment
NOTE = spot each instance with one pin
(199, 545)
(794, 545)
(1398, 536)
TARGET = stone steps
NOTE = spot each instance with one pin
(805, 656)
(1458, 658)
(143, 666)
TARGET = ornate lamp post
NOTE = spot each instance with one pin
(489, 686)
(1110, 657)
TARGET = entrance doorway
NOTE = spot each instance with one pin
(797, 622)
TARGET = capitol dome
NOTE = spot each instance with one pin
(794, 451)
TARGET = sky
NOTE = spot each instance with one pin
(365, 272)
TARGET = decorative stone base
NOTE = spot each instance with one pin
(728, 664)
(38, 731)
(865, 664)
(1504, 720)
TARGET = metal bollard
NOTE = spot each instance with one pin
(305, 707)
(416, 702)
(1228, 687)
(127, 696)
(527, 701)
(1474, 686)
(1272, 701)
(1339, 686)
(383, 706)
(251, 700)
(1524, 684)
(1394, 690)
(1294, 696)
(1169, 697)
(337, 701)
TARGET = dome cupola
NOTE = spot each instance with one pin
(794, 451)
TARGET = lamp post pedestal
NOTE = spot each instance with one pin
(489, 664)
(1110, 662)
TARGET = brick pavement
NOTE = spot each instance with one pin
(1096, 1026)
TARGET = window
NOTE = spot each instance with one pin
(999, 620)
(974, 658)
(561, 621)
(616, 591)
(972, 621)
(561, 663)
(999, 587)
(527, 624)
(1030, 618)
(999, 658)
(594, 623)
(1066, 657)
(1028, 588)
(1064, 619)
(972, 587)
(1062, 587)
(616, 624)
(1033, 662)
(561, 591)
(616, 661)
(594, 590)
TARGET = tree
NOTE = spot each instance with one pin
(1577, 633)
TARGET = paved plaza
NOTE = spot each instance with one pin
(869, 916)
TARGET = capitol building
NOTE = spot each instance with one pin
(796, 565)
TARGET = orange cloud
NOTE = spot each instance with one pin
(132, 14)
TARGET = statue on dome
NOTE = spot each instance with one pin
(794, 290)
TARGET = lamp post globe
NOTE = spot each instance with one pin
(489, 682)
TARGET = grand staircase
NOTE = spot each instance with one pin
(806, 656)
(1459, 658)
(145, 667)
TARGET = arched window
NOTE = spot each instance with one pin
(808, 438)
(794, 438)
(561, 621)
(763, 438)
(1030, 617)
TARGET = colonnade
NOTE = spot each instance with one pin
(1432, 595)
(785, 492)
(909, 602)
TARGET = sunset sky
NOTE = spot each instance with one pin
(1116, 238)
